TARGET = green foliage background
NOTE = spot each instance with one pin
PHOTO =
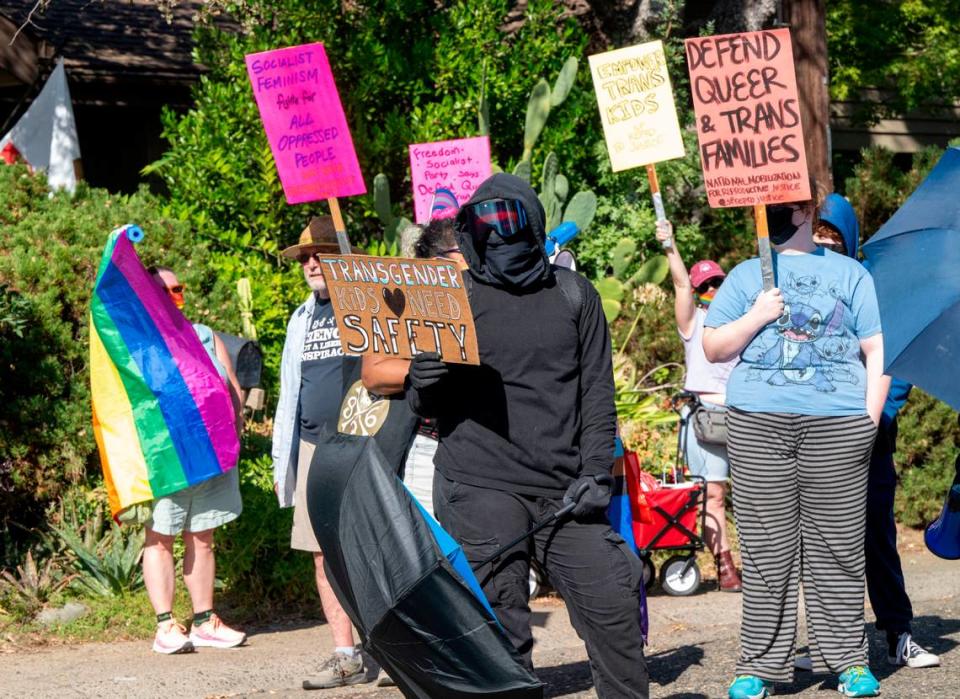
(894, 56)
(50, 247)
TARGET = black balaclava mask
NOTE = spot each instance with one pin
(518, 262)
(780, 223)
(515, 262)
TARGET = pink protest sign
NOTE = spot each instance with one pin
(748, 118)
(459, 165)
(305, 124)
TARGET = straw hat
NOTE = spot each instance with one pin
(318, 236)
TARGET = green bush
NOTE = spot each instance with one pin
(50, 247)
(929, 436)
(407, 72)
(254, 559)
(927, 446)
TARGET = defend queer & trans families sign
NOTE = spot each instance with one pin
(307, 130)
(397, 307)
(636, 105)
(748, 118)
(459, 165)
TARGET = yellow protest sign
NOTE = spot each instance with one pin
(636, 105)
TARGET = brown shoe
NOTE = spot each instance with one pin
(727, 574)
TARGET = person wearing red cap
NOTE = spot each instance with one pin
(693, 294)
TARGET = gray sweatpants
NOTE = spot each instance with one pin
(799, 501)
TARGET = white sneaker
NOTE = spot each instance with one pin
(171, 638)
(803, 662)
(911, 654)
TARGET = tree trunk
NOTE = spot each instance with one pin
(808, 30)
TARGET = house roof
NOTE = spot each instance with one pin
(106, 42)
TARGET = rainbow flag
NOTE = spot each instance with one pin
(162, 416)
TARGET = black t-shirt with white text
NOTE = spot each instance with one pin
(321, 375)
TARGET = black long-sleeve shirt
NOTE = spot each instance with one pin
(539, 410)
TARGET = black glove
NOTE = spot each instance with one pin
(426, 369)
(590, 493)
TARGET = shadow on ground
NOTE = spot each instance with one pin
(667, 667)
(562, 680)
(929, 631)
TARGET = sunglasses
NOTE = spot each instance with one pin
(709, 284)
(505, 217)
(178, 289)
(305, 257)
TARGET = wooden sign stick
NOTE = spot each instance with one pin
(657, 197)
(763, 246)
(342, 240)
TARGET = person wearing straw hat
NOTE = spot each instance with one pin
(311, 389)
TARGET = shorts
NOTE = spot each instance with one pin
(302, 537)
(203, 506)
(709, 461)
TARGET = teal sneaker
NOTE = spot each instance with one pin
(858, 681)
(749, 687)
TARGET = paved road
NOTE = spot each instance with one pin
(691, 655)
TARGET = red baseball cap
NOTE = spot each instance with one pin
(703, 271)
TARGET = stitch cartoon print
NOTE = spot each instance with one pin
(807, 348)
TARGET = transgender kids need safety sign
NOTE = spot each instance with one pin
(744, 92)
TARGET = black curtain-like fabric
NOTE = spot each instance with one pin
(395, 432)
(416, 616)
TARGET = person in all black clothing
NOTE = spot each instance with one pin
(530, 429)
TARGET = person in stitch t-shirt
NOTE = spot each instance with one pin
(803, 413)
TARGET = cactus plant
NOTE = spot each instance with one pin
(522, 170)
(623, 253)
(611, 292)
(483, 109)
(561, 187)
(581, 209)
(564, 83)
(554, 188)
(542, 99)
(246, 308)
(612, 289)
(538, 109)
(392, 225)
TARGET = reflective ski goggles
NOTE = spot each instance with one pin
(505, 217)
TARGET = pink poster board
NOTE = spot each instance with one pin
(459, 165)
(744, 90)
(307, 130)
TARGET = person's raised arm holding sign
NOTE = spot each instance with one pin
(693, 293)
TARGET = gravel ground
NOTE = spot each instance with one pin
(691, 655)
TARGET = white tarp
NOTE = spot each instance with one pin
(46, 135)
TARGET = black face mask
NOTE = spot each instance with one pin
(780, 223)
(516, 262)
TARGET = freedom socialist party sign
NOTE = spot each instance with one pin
(744, 92)
(305, 124)
(459, 165)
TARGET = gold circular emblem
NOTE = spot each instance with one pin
(362, 413)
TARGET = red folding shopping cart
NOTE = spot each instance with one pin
(668, 513)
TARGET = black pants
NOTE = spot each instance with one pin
(888, 595)
(588, 564)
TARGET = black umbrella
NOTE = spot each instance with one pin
(426, 623)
